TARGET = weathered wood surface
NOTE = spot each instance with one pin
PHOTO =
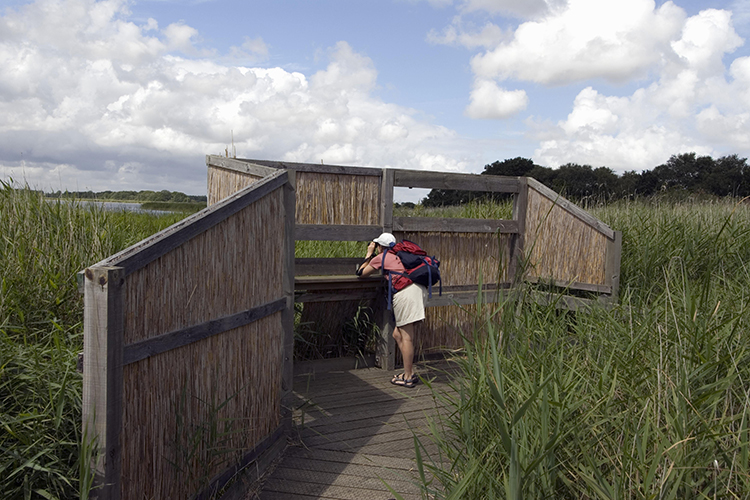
(354, 432)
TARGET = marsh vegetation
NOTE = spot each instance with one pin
(648, 399)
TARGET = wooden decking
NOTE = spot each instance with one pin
(354, 433)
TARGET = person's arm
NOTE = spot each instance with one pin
(365, 269)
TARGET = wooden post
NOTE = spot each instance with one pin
(520, 204)
(102, 375)
(386, 201)
(287, 321)
(385, 352)
(612, 269)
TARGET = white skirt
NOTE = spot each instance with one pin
(408, 304)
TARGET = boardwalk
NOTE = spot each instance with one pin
(355, 433)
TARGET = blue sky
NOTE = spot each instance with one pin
(119, 94)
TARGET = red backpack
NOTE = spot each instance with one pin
(420, 268)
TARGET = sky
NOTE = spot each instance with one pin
(132, 94)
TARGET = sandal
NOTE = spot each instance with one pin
(400, 380)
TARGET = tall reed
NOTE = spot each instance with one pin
(43, 245)
(649, 399)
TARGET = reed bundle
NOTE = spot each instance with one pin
(191, 412)
(337, 199)
(223, 182)
(560, 246)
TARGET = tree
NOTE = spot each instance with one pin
(684, 171)
(514, 167)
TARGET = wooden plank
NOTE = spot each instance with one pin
(465, 298)
(179, 338)
(288, 273)
(386, 201)
(452, 225)
(237, 165)
(612, 269)
(102, 377)
(573, 285)
(337, 297)
(319, 168)
(385, 348)
(323, 266)
(150, 249)
(337, 282)
(517, 243)
(327, 232)
(462, 182)
(571, 208)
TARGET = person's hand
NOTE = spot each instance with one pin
(371, 249)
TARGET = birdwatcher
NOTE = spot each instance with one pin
(408, 303)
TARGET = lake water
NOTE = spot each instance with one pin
(115, 206)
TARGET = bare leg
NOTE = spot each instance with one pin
(404, 336)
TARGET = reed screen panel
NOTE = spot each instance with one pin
(223, 182)
(560, 246)
(190, 412)
(231, 267)
(465, 258)
(338, 199)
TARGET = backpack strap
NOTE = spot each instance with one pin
(390, 280)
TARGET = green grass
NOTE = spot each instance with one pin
(42, 246)
(646, 400)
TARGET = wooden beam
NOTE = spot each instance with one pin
(386, 201)
(448, 225)
(242, 166)
(322, 296)
(336, 282)
(103, 321)
(146, 348)
(465, 297)
(462, 182)
(319, 168)
(517, 244)
(571, 208)
(612, 267)
(328, 232)
(573, 285)
(561, 301)
(150, 249)
(287, 279)
(324, 267)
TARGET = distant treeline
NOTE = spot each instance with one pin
(136, 196)
(684, 173)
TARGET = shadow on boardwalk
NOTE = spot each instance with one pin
(354, 432)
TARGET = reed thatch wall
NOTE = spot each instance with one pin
(338, 199)
(223, 182)
(560, 246)
(465, 259)
(176, 433)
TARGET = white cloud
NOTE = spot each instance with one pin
(608, 39)
(705, 39)
(490, 101)
(684, 111)
(96, 100)
(687, 100)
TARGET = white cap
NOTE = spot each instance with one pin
(385, 240)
